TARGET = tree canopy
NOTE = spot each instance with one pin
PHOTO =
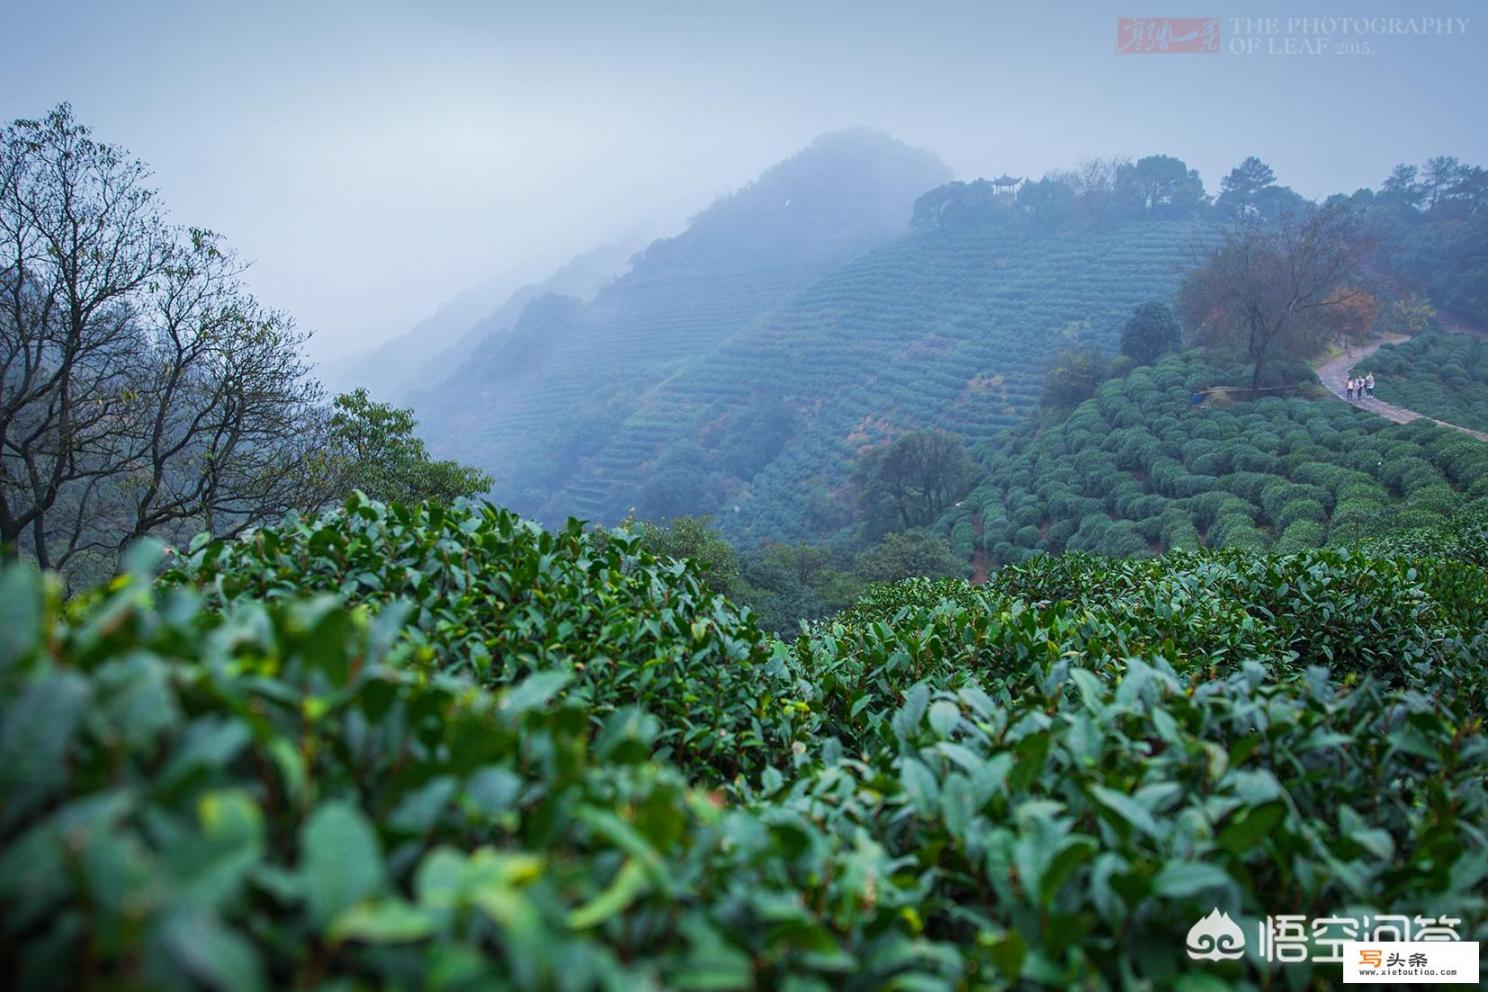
(144, 389)
(372, 447)
(912, 480)
(1267, 289)
(1073, 375)
(1151, 332)
(1159, 186)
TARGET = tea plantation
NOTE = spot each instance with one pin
(1444, 376)
(540, 408)
(1155, 461)
(404, 748)
(940, 329)
(943, 330)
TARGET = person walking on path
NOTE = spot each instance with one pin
(1349, 388)
(1369, 385)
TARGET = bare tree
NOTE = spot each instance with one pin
(230, 420)
(141, 388)
(1267, 289)
(1094, 182)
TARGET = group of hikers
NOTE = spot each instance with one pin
(1362, 387)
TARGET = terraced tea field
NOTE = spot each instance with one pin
(937, 330)
(538, 408)
(1140, 469)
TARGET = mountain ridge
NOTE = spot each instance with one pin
(745, 254)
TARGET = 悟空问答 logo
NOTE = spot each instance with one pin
(1216, 938)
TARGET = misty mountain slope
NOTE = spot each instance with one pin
(536, 409)
(583, 277)
(438, 345)
(943, 329)
(384, 371)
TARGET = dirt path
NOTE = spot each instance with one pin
(981, 561)
(1333, 374)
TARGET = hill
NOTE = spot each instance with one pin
(438, 345)
(1160, 460)
(534, 423)
(429, 747)
(946, 329)
(383, 370)
(1444, 376)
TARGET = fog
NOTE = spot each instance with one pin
(374, 159)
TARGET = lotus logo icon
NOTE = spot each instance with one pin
(1216, 938)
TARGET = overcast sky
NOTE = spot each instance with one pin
(374, 158)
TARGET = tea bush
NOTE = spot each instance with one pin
(498, 597)
(1244, 474)
(1441, 375)
(417, 748)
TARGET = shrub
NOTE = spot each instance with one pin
(219, 779)
(498, 598)
(1122, 539)
(1236, 531)
(1299, 536)
(1301, 509)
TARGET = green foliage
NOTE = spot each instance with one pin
(909, 554)
(785, 584)
(1165, 472)
(280, 765)
(372, 448)
(1250, 191)
(1433, 231)
(912, 480)
(1158, 186)
(1088, 745)
(1441, 375)
(698, 541)
(499, 598)
(1151, 332)
(1073, 376)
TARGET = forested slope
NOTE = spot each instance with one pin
(535, 406)
(582, 277)
(946, 329)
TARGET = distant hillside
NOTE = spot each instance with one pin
(581, 278)
(944, 329)
(947, 327)
(1141, 468)
(436, 346)
(540, 409)
(383, 371)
